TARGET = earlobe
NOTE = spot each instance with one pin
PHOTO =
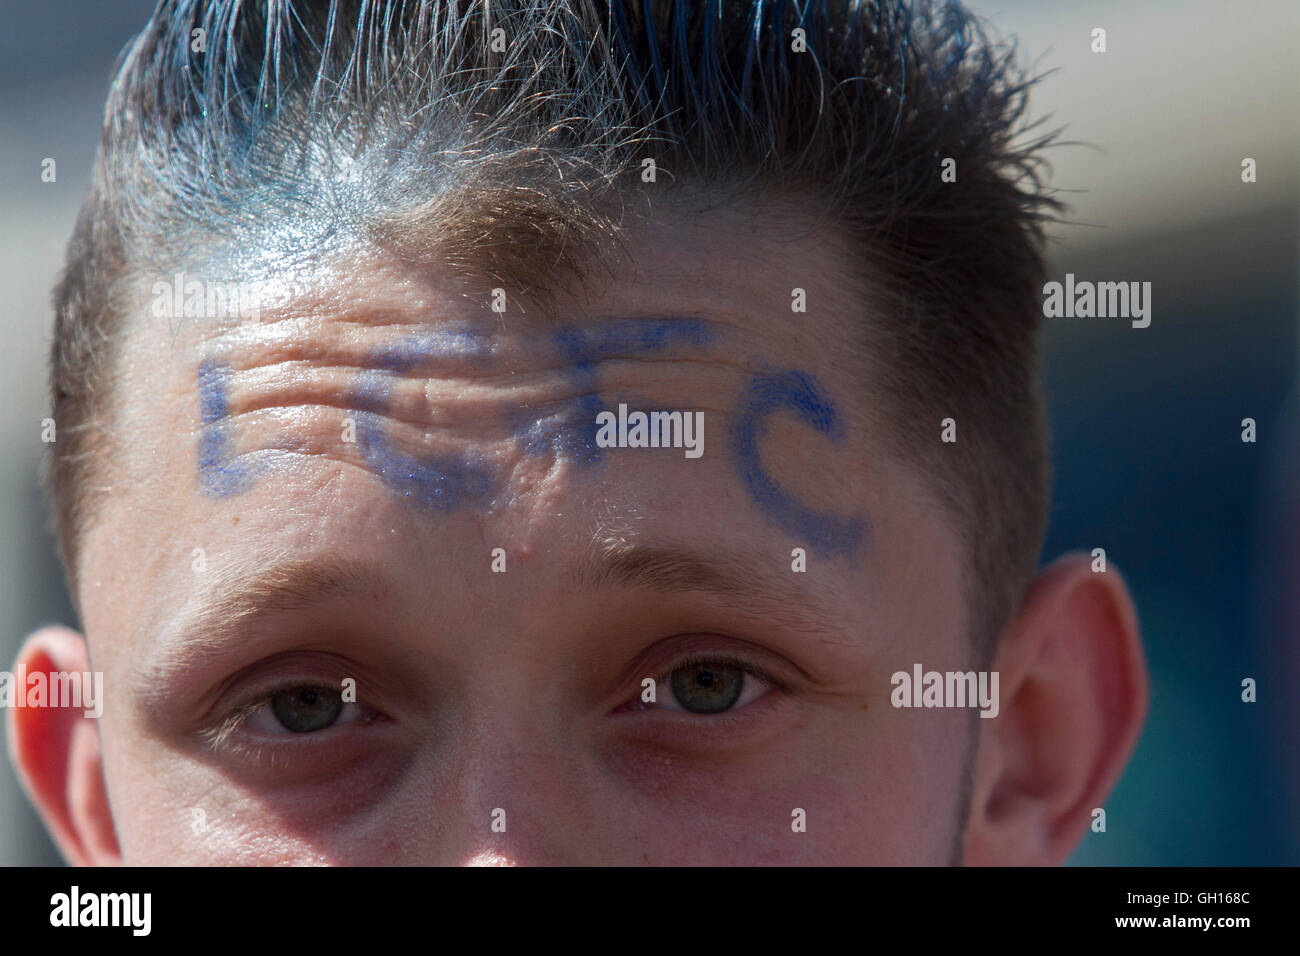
(1074, 697)
(56, 752)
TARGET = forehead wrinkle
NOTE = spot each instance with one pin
(414, 365)
(403, 343)
(364, 368)
(419, 400)
(346, 341)
(414, 394)
(472, 431)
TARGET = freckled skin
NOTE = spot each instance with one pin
(508, 690)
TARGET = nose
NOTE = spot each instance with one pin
(490, 858)
(511, 795)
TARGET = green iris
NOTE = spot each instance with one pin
(707, 688)
(307, 709)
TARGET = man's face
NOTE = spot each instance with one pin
(316, 500)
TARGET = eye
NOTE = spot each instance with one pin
(301, 709)
(711, 687)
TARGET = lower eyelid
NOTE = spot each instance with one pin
(298, 759)
(235, 738)
(682, 731)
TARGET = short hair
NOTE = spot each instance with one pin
(518, 149)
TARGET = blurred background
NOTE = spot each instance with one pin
(1146, 422)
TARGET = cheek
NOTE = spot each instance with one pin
(168, 814)
(884, 790)
(917, 788)
(157, 817)
(847, 786)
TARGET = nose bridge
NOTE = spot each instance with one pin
(512, 797)
(503, 748)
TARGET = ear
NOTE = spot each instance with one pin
(1074, 699)
(56, 753)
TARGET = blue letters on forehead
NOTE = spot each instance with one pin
(212, 392)
(789, 389)
(569, 428)
(429, 349)
(437, 482)
(219, 475)
(623, 337)
(566, 428)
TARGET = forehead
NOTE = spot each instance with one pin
(694, 301)
(368, 398)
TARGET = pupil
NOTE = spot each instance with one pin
(707, 690)
(306, 709)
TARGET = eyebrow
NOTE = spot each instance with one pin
(739, 580)
(207, 626)
(288, 586)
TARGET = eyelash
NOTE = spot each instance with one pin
(749, 668)
(219, 736)
(222, 736)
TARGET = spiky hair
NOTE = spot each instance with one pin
(511, 131)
